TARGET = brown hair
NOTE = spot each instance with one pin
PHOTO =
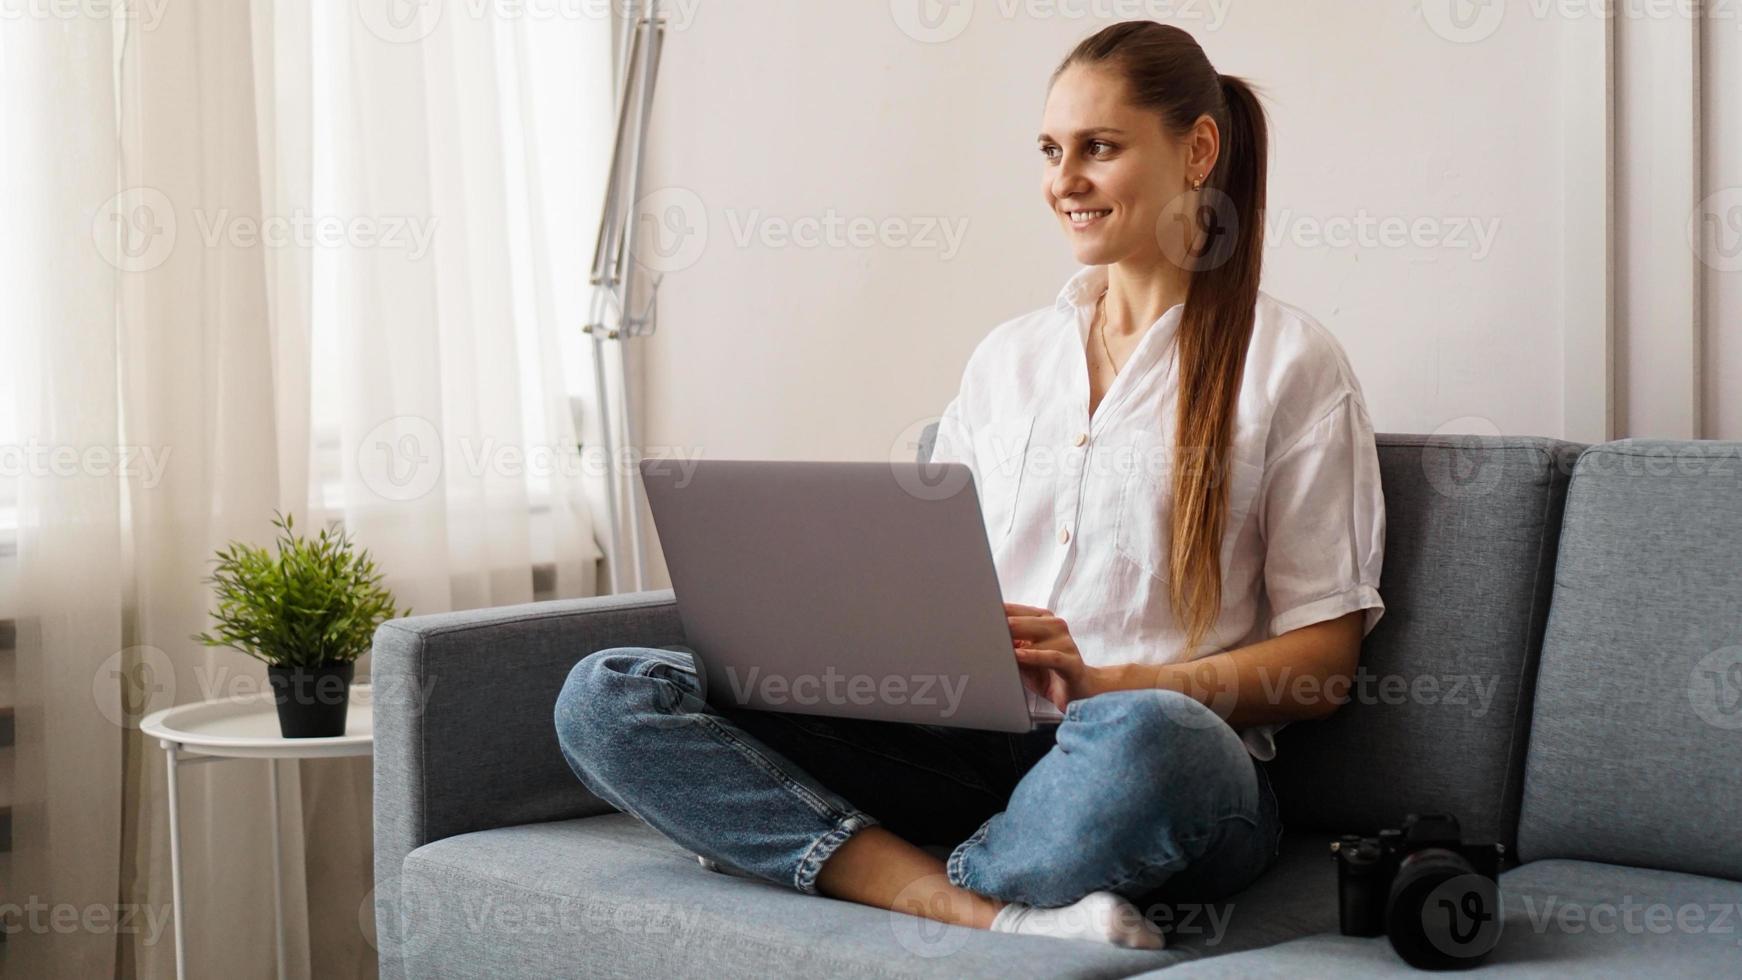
(1165, 70)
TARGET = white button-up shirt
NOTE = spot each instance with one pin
(1076, 509)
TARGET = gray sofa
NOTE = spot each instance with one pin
(1560, 665)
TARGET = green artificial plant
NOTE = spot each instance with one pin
(316, 602)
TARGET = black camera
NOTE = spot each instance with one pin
(1434, 896)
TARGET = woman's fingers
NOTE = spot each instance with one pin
(1052, 659)
(1029, 629)
(1015, 609)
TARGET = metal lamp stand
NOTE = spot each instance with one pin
(611, 317)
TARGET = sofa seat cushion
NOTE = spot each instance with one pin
(1562, 919)
(608, 896)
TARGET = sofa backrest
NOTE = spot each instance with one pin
(1439, 711)
(1438, 717)
(1636, 744)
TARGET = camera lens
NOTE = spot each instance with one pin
(1442, 915)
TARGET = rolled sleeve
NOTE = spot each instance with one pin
(1324, 523)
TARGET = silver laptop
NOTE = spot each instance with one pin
(854, 590)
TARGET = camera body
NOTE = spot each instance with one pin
(1436, 897)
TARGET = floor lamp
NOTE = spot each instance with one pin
(611, 316)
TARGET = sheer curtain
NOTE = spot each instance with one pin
(298, 256)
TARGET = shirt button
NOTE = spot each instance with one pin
(1064, 535)
(1081, 438)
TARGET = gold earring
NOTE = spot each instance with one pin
(1198, 184)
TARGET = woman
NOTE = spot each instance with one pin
(1187, 480)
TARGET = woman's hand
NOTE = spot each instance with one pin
(1050, 662)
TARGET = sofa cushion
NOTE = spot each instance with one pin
(607, 896)
(1438, 716)
(1440, 712)
(1561, 919)
(1636, 744)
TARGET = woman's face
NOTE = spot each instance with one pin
(1108, 157)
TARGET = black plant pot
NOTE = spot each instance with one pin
(312, 701)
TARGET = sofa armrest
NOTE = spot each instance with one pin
(464, 733)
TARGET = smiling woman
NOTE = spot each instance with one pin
(1180, 491)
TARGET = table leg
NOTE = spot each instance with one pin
(173, 751)
(277, 871)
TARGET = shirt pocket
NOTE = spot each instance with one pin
(1000, 457)
(1143, 534)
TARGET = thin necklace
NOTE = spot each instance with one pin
(1101, 319)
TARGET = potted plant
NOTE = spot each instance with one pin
(309, 612)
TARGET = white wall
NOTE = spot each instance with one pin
(773, 112)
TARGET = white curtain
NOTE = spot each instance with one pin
(280, 255)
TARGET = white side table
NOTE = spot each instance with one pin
(246, 728)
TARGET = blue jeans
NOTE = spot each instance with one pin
(1145, 793)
